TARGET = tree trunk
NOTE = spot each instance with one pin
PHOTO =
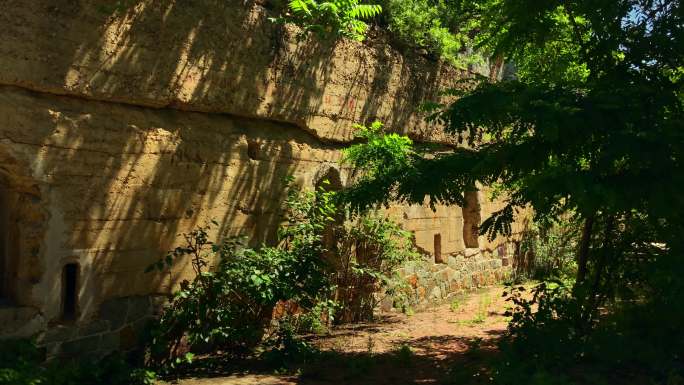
(583, 252)
(603, 258)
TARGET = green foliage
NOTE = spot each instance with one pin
(562, 143)
(369, 250)
(528, 34)
(623, 318)
(229, 304)
(592, 125)
(548, 250)
(426, 24)
(378, 151)
(379, 158)
(445, 28)
(340, 17)
(22, 363)
(634, 344)
(455, 305)
(285, 347)
(404, 355)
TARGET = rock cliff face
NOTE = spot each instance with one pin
(123, 124)
(218, 56)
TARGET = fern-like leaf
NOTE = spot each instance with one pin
(365, 11)
(301, 8)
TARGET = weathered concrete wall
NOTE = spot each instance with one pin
(123, 126)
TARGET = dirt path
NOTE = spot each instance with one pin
(446, 344)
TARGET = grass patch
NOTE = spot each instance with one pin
(455, 305)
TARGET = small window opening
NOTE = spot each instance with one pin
(69, 301)
(253, 149)
(471, 219)
(438, 248)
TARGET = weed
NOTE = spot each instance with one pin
(479, 317)
(455, 305)
(370, 345)
(482, 309)
(403, 335)
(22, 363)
(404, 355)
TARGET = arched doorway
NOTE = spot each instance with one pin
(329, 180)
(21, 231)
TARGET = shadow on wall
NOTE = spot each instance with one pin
(216, 56)
(210, 55)
(22, 230)
(120, 182)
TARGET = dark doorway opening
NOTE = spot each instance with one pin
(70, 292)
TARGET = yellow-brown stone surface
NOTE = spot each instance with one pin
(123, 124)
(221, 56)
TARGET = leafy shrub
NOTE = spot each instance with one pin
(370, 249)
(378, 154)
(229, 304)
(551, 340)
(340, 17)
(548, 250)
(623, 320)
(426, 24)
(378, 151)
(22, 363)
(442, 27)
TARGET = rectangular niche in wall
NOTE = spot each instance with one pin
(471, 219)
(70, 291)
(438, 248)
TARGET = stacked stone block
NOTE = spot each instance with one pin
(433, 283)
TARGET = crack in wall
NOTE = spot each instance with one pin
(323, 142)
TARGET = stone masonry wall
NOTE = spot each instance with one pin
(124, 124)
(433, 283)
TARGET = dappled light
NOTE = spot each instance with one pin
(224, 192)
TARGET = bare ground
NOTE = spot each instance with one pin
(447, 344)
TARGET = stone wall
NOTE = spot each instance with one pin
(118, 327)
(124, 124)
(434, 283)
